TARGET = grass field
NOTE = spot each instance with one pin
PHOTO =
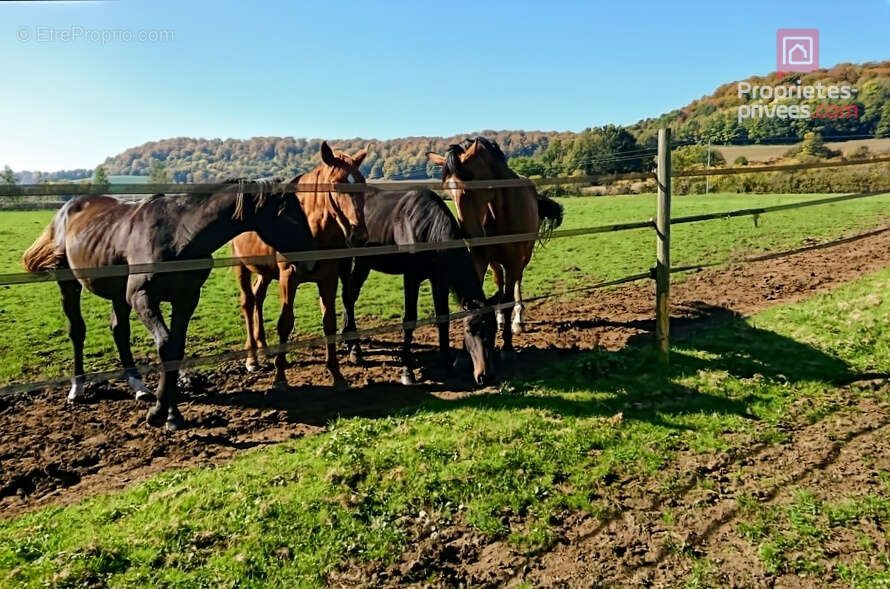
(760, 153)
(40, 348)
(538, 448)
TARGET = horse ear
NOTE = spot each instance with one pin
(327, 154)
(470, 152)
(435, 158)
(358, 158)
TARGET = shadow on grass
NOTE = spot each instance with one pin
(630, 380)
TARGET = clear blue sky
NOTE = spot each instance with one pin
(382, 69)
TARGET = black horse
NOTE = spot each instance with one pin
(419, 216)
(100, 231)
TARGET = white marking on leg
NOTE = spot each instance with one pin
(517, 318)
(77, 389)
(142, 392)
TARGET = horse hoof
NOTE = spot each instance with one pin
(280, 384)
(175, 423)
(407, 378)
(508, 356)
(155, 417)
(250, 367)
(77, 392)
(142, 393)
(518, 328)
(355, 357)
(144, 397)
(340, 386)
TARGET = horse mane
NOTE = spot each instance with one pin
(453, 165)
(264, 188)
(426, 218)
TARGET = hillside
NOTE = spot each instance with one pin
(715, 117)
(200, 160)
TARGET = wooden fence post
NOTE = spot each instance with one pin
(663, 251)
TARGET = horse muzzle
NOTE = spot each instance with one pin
(358, 236)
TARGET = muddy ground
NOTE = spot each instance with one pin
(51, 453)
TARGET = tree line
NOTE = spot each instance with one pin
(601, 150)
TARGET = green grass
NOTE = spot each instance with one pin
(534, 449)
(41, 348)
(795, 538)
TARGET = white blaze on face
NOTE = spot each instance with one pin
(350, 178)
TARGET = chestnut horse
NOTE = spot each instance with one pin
(99, 231)
(336, 219)
(497, 211)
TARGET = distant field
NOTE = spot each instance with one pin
(128, 179)
(37, 346)
(760, 153)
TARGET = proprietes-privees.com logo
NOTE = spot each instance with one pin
(797, 50)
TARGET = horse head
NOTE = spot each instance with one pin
(348, 208)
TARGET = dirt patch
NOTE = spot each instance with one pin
(51, 453)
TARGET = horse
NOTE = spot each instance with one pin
(420, 216)
(99, 231)
(336, 219)
(497, 211)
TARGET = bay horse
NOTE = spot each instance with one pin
(420, 216)
(497, 211)
(336, 219)
(99, 231)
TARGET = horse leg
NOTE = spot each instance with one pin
(511, 277)
(287, 290)
(183, 309)
(519, 309)
(352, 287)
(248, 303)
(77, 331)
(120, 330)
(412, 290)
(497, 274)
(327, 299)
(150, 314)
(440, 304)
(260, 289)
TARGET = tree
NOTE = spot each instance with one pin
(526, 166)
(8, 176)
(814, 146)
(100, 179)
(157, 173)
(696, 156)
(883, 127)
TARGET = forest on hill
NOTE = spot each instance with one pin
(200, 160)
(715, 118)
(711, 119)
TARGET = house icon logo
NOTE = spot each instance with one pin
(797, 50)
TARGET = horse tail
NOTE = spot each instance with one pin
(48, 251)
(550, 212)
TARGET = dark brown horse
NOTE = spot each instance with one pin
(415, 217)
(497, 211)
(336, 219)
(100, 231)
